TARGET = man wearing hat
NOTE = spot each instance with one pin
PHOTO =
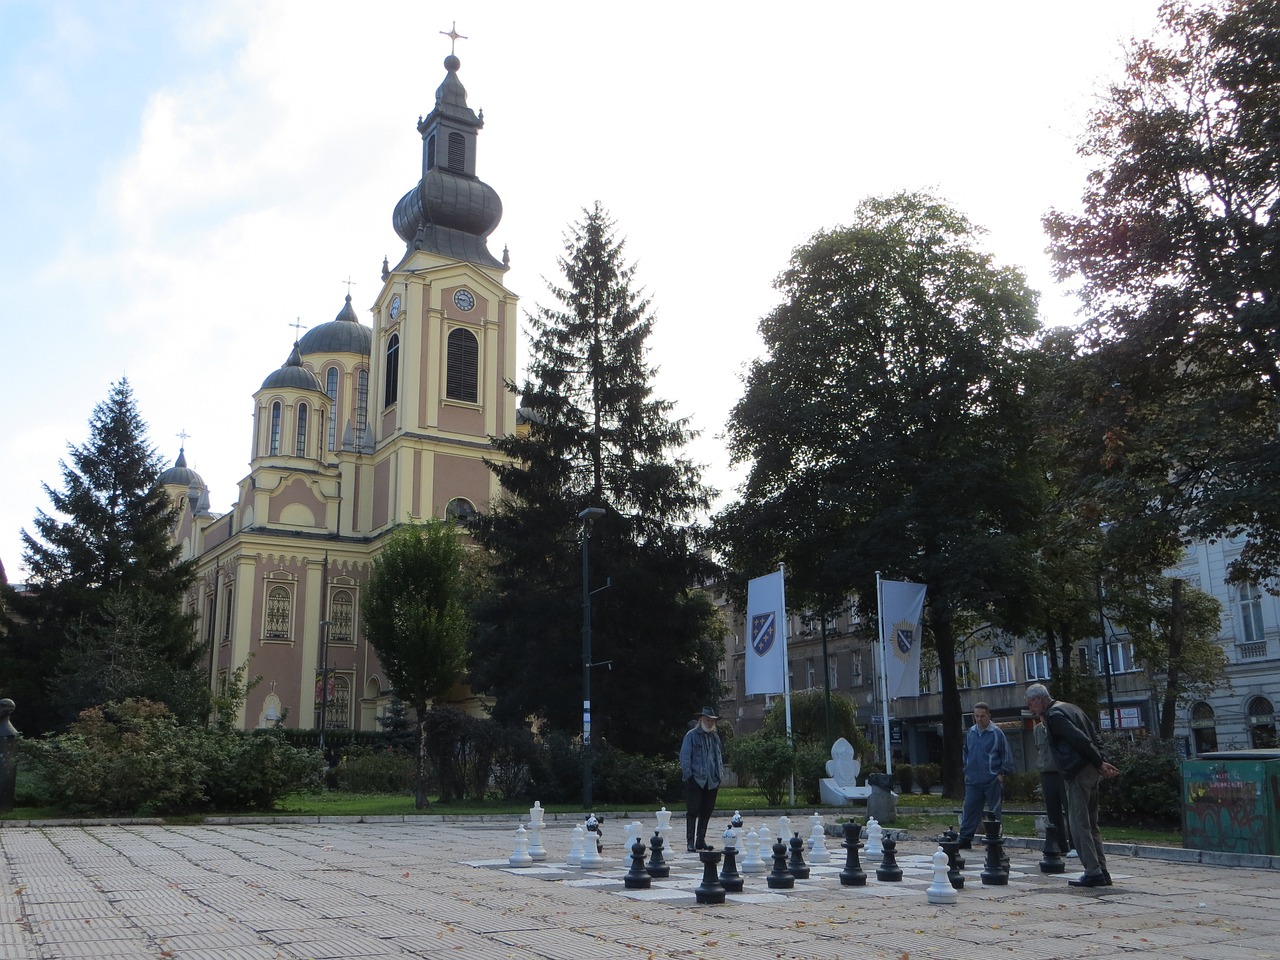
(701, 762)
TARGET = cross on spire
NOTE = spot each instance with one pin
(297, 325)
(350, 283)
(183, 435)
(454, 36)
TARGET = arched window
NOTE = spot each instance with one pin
(331, 388)
(275, 429)
(362, 406)
(334, 703)
(393, 371)
(300, 445)
(1262, 723)
(278, 614)
(342, 610)
(1203, 729)
(464, 355)
(457, 153)
(460, 510)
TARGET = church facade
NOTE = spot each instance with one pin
(363, 428)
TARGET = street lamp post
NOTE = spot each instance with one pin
(586, 516)
(324, 680)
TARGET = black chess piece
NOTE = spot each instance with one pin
(889, 870)
(1052, 861)
(710, 890)
(730, 879)
(657, 867)
(852, 874)
(798, 868)
(780, 878)
(995, 871)
(637, 877)
(950, 844)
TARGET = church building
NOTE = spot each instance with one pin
(362, 428)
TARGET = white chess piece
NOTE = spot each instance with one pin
(873, 832)
(751, 862)
(664, 822)
(536, 850)
(575, 847)
(815, 827)
(784, 829)
(591, 857)
(766, 840)
(941, 890)
(520, 857)
(819, 854)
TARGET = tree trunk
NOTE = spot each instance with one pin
(952, 736)
(1173, 678)
(420, 799)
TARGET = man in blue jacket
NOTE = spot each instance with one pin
(701, 765)
(986, 761)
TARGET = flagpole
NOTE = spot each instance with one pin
(884, 675)
(786, 672)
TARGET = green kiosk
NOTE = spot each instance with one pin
(1231, 802)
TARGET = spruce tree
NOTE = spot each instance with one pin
(104, 618)
(597, 437)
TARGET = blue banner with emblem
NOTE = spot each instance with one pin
(766, 635)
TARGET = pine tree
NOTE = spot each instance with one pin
(104, 614)
(597, 437)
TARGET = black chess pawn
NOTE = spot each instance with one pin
(637, 877)
(889, 869)
(657, 867)
(799, 869)
(730, 879)
(780, 878)
(950, 844)
(995, 870)
(852, 875)
(1052, 862)
(711, 890)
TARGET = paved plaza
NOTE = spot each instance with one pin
(420, 887)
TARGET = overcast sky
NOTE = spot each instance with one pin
(180, 181)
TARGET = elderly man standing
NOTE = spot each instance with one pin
(986, 761)
(1077, 747)
(701, 764)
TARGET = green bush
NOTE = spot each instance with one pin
(374, 771)
(1021, 787)
(927, 775)
(906, 775)
(767, 761)
(133, 758)
(810, 769)
(1148, 791)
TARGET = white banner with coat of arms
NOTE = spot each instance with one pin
(766, 635)
(901, 610)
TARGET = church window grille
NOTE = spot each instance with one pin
(279, 613)
(431, 151)
(457, 153)
(342, 609)
(300, 445)
(463, 374)
(331, 388)
(226, 626)
(275, 429)
(335, 703)
(210, 613)
(393, 371)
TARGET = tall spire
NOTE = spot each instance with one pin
(450, 212)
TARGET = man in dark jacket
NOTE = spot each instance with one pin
(701, 765)
(1078, 749)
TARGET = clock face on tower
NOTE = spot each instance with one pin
(463, 300)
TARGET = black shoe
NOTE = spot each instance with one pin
(703, 845)
(966, 844)
(1091, 880)
(691, 848)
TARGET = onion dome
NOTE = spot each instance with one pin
(450, 212)
(180, 475)
(293, 375)
(343, 334)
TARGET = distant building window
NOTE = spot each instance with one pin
(457, 153)
(832, 675)
(210, 611)
(964, 677)
(463, 374)
(342, 617)
(393, 371)
(362, 405)
(995, 671)
(1250, 600)
(275, 429)
(1262, 723)
(431, 151)
(810, 677)
(334, 703)
(226, 625)
(331, 388)
(1036, 665)
(278, 614)
(460, 510)
(1121, 656)
(300, 445)
(1203, 729)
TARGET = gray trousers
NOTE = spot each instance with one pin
(1082, 812)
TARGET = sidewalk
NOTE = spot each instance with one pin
(401, 889)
